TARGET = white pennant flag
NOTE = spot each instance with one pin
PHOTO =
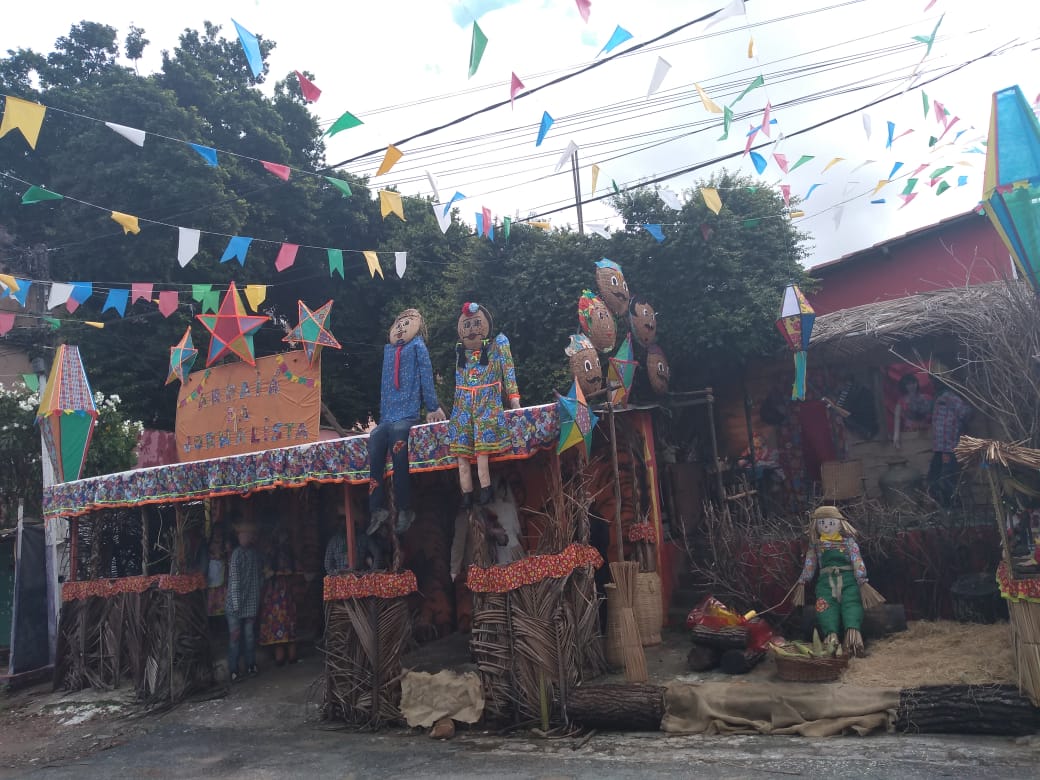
(866, 125)
(599, 228)
(735, 8)
(401, 258)
(131, 134)
(59, 294)
(570, 150)
(660, 71)
(444, 220)
(671, 200)
(433, 186)
(837, 216)
(188, 245)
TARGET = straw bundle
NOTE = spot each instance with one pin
(624, 574)
(1025, 635)
(648, 608)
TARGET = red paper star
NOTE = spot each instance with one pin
(231, 329)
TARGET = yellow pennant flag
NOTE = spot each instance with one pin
(835, 161)
(91, 323)
(751, 49)
(9, 282)
(541, 225)
(256, 294)
(23, 116)
(373, 264)
(709, 104)
(390, 203)
(393, 154)
(711, 199)
(128, 221)
(881, 183)
(595, 177)
(796, 214)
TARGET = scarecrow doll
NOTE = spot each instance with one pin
(407, 385)
(842, 590)
(477, 429)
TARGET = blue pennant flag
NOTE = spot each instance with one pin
(544, 128)
(618, 37)
(236, 248)
(251, 46)
(655, 231)
(759, 162)
(206, 153)
(117, 299)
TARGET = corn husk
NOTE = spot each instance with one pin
(869, 596)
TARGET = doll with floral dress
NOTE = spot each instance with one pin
(484, 371)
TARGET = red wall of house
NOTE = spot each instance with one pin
(918, 262)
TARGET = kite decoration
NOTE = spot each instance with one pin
(311, 331)
(251, 47)
(576, 420)
(67, 414)
(182, 358)
(795, 325)
(231, 329)
(621, 370)
(1011, 185)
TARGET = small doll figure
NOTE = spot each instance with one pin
(584, 364)
(842, 590)
(407, 385)
(477, 429)
(657, 368)
(613, 289)
(643, 320)
(596, 321)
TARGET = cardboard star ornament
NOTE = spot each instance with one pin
(231, 329)
(182, 357)
(311, 331)
(576, 420)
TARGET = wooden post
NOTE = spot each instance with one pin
(73, 549)
(349, 514)
(144, 538)
(617, 481)
(715, 447)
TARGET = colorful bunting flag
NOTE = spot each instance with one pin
(286, 258)
(442, 217)
(832, 163)
(751, 48)
(140, 291)
(23, 116)
(237, 248)
(584, 6)
(928, 40)
(727, 117)
(572, 148)
(390, 203)
(400, 263)
(479, 219)
(655, 231)
(310, 92)
(595, 177)
(39, 194)
(207, 153)
(8, 285)
(335, 262)
(340, 185)
(455, 197)
(810, 192)
(393, 154)
(168, 302)
(127, 221)
(785, 191)
(906, 199)
(669, 198)
(131, 134)
(733, 8)
(781, 161)
(757, 82)
(251, 47)
(895, 168)
(943, 186)
(345, 122)
(711, 199)
(909, 187)
(373, 264)
(866, 125)
(759, 162)
(891, 130)
(6, 323)
(881, 183)
(709, 105)
(515, 85)
(543, 127)
(281, 171)
(59, 294)
(660, 71)
(187, 245)
(765, 119)
(477, 45)
(507, 223)
(618, 37)
(926, 102)
(255, 295)
(199, 291)
(962, 180)
(802, 161)
(117, 299)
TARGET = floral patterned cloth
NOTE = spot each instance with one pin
(1017, 590)
(530, 431)
(642, 532)
(278, 611)
(534, 568)
(478, 421)
(380, 585)
(178, 583)
(847, 547)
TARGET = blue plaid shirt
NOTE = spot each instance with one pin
(243, 587)
(415, 376)
(948, 417)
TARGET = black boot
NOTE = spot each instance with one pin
(486, 494)
(467, 501)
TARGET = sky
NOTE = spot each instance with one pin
(402, 69)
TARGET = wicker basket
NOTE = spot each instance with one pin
(648, 609)
(810, 669)
(729, 638)
(841, 479)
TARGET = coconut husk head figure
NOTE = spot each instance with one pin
(643, 320)
(657, 369)
(474, 329)
(407, 326)
(584, 362)
(596, 321)
(613, 289)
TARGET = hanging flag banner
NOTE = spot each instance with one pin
(345, 122)
(251, 47)
(711, 199)
(207, 153)
(23, 116)
(618, 37)
(310, 92)
(187, 245)
(709, 105)
(131, 134)
(373, 264)
(477, 45)
(572, 149)
(236, 408)
(400, 263)
(286, 258)
(390, 203)
(281, 171)
(660, 71)
(595, 177)
(393, 154)
(515, 85)
(543, 127)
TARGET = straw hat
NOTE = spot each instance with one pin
(827, 512)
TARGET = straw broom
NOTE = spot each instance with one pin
(624, 574)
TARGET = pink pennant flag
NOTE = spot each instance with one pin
(486, 213)
(310, 92)
(949, 124)
(286, 256)
(940, 112)
(918, 169)
(515, 85)
(6, 322)
(168, 302)
(281, 171)
(765, 119)
(584, 6)
(139, 291)
(786, 190)
(930, 4)
(907, 199)
(781, 160)
(905, 132)
(71, 304)
(752, 132)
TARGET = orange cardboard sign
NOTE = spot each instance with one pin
(236, 408)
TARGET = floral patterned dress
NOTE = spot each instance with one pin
(478, 419)
(278, 606)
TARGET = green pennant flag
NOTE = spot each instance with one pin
(507, 223)
(37, 194)
(336, 262)
(476, 49)
(943, 186)
(200, 291)
(613, 184)
(802, 161)
(340, 185)
(32, 381)
(932, 140)
(940, 172)
(55, 324)
(927, 103)
(758, 82)
(910, 184)
(727, 117)
(211, 301)
(750, 223)
(752, 189)
(345, 122)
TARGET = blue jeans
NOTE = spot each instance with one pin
(240, 631)
(392, 435)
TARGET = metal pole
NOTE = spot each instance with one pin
(577, 192)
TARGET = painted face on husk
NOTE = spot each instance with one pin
(657, 368)
(643, 320)
(596, 321)
(406, 327)
(613, 288)
(584, 364)
(474, 326)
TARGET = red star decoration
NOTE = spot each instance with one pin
(231, 329)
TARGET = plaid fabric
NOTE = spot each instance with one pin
(73, 388)
(243, 588)
(948, 417)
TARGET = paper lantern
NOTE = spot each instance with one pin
(795, 325)
(67, 414)
(1011, 188)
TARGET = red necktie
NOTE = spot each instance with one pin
(397, 367)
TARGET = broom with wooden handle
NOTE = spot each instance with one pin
(624, 574)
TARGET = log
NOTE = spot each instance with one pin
(966, 709)
(631, 707)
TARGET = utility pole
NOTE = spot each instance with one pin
(577, 191)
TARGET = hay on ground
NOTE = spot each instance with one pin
(937, 653)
